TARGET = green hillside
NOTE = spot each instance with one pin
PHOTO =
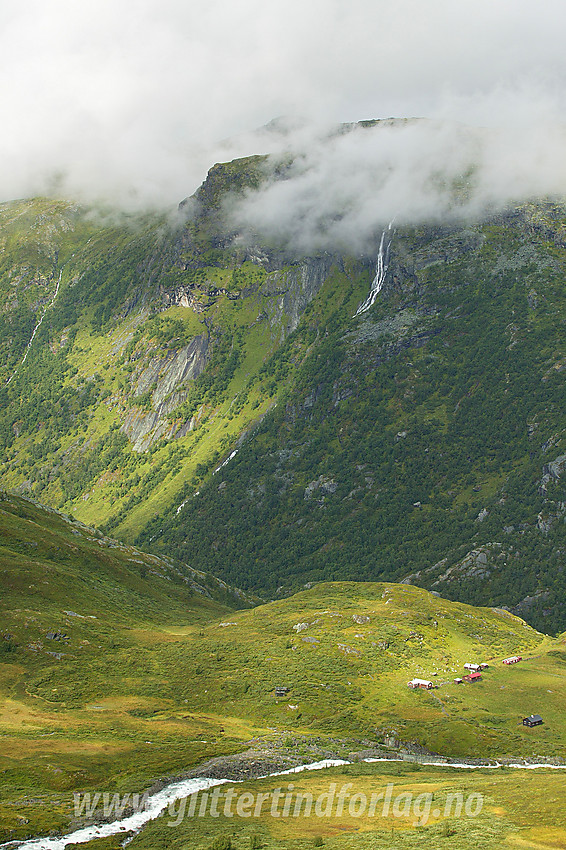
(160, 678)
(65, 563)
(78, 680)
(420, 440)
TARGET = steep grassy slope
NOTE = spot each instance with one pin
(65, 563)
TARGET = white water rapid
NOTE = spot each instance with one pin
(155, 805)
(380, 270)
(177, 790)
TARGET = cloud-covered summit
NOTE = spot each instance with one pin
(342, 189)
(128, 102)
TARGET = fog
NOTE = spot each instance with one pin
(343, 189)
(132, 103)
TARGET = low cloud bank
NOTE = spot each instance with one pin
(341, 190)
(127, 102)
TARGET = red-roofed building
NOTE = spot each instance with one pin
(472, 677)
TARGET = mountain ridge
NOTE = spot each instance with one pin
(368, 447)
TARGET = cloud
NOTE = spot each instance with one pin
(129, 102)
(343, 189)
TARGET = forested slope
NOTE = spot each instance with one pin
(422, 438)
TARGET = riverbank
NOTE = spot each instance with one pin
(263, 759)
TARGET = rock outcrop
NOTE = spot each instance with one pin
(164, 377)
(293, 289)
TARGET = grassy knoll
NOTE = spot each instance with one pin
(347, 650)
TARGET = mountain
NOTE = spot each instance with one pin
(421, 440)
(214, 395)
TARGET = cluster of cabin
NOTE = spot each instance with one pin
(473, 674)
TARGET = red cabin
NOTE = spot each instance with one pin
(472, 677)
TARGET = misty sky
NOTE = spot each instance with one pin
(134, 102)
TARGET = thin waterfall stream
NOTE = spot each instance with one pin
(380, 270)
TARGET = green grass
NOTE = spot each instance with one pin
(516, 812)
(151, 677)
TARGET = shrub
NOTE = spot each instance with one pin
(221, 842)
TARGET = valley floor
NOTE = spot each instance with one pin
(368, 800)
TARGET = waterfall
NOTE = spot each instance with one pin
(41, 318)
(35, 330)
(380, 270)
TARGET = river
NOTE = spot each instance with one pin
(177, 790)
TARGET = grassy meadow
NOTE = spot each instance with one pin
(119, 670)
(517, 810)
